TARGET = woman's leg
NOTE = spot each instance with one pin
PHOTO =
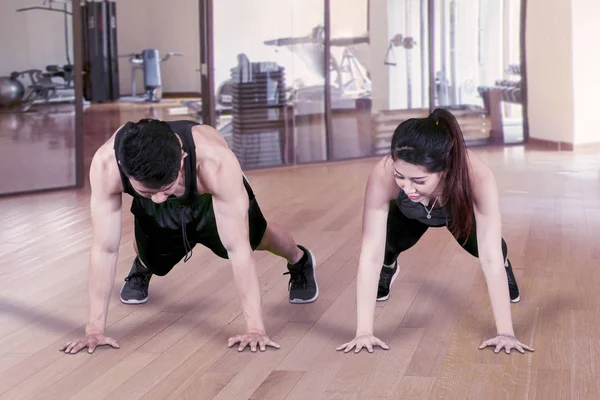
(402, 233)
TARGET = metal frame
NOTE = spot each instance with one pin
(207, 62)
(327, 64)
(79, 115)
(524, 89)
(431, 51)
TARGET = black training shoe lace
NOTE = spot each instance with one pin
(297, 280)
(138, 280)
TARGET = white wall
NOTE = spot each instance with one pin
(562, 69)
(32, 39)
(586, 67)
(549, 41)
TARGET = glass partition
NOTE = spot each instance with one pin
(382, 48)
(477, 67)
(37, 96)
(269, 74)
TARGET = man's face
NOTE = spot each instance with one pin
(156, 195)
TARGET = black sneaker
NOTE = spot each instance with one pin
(135, 288)
(387, 276)
(303, 286)
(513, 289)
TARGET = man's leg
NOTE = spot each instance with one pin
(301, 265)
(280, 242)
(158, 251)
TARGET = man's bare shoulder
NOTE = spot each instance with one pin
(104, 171)
(216, 164)
(207, 136)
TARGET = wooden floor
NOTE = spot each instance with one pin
(174, 347)
(47, 131)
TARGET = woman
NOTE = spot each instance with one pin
(431, 179)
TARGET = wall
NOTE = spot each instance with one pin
(586, 64)
(549, 43)
(32, 39)
(562, 70)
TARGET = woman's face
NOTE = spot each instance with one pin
(416, 182)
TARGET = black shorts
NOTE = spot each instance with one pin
(160, 248)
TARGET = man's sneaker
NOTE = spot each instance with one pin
(303, 286)
(512, 284)
(135, 289)
(387, 276)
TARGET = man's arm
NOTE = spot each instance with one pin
(105, 209)
(230, 204)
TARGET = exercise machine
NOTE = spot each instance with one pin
(148, 61)
(55, 84)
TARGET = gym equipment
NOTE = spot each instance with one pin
(149, 62)
(261, 121)
(397, 41)
(11, 91)
(42, 87)
(224, 98)
(101, 64)
(474, 124)
(350, 75)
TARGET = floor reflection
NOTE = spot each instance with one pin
(37, 149)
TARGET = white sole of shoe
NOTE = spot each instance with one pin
(132, 301)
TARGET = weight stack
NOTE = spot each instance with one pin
(101, 63)
(260, 118)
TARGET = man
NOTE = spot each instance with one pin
(187, 188)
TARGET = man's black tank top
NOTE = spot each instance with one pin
(175, 212)
(412, 210)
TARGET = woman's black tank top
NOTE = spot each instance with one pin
(417, 211)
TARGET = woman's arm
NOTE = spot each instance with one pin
(381, 188)
(489, 243)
